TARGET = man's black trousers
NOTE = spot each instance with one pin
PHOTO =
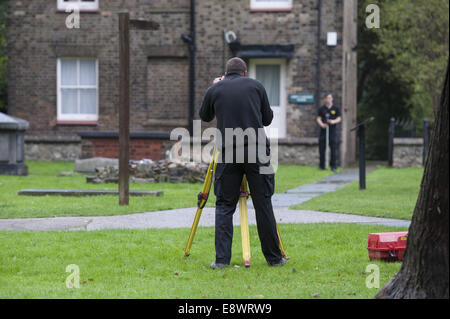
(227, 183)
(333, 148)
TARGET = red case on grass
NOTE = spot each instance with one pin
(387, 246)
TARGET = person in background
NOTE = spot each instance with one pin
(328, 116)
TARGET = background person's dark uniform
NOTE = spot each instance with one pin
(240, 102)
(333, 113)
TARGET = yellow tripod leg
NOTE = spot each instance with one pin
(283, 252)
(205, 190)
(244, 222)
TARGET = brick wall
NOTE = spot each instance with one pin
(37, 36)
(154, 149)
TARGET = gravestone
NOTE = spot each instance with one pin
(12, 159)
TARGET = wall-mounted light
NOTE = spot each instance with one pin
(331, 39)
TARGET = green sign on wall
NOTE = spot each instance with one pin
(301, 98)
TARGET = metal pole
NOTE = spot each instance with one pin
(318, 66)
(327, 143)
(362, 157)
(192, 69)
(391, 142)
(327, 148)
(124, 106)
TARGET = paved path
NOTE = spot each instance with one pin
(180, 218)
(305, 192)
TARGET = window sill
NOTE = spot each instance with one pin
(271, 10)
(85, 123)
(81, 11)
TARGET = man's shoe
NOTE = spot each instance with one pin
(215, 265)
(282, 262)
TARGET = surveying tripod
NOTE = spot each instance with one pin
(202, 198)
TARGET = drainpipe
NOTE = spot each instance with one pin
(319, 31)
(190, 40)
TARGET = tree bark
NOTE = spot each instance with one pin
(425, 269)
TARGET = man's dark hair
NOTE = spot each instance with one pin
(236, 65)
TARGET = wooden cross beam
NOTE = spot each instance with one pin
(124, 97)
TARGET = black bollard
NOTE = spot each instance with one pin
(426, 139)
(361, 127)
(362, 156)
(391, 142)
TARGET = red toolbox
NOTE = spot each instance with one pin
(387, 246)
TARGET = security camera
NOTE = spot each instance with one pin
(186, 38)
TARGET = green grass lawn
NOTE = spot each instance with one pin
(389, 193)
(327, 261)
(44, 175)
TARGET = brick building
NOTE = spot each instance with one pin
(64, 81)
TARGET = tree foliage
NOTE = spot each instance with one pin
(414, 40)
(400, 64)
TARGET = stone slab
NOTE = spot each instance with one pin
(81, 192)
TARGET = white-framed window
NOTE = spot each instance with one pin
(83, 5)
(270, 5)
(77, 89)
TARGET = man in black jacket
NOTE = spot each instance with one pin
(328, 116)
(240, 104)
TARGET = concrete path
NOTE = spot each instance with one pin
(305, 192)
(181, 218)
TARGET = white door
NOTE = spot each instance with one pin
(272, 74)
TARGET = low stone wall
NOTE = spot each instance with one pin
(147, 171)
(52, 149)
(408, 152)
(299, 151)
(150, 145)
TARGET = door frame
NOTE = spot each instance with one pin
(283, 100)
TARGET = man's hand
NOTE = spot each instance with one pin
(323, 125)
(218, 79)
(336, 121)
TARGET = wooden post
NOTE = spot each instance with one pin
(124, 98)
(124, 107)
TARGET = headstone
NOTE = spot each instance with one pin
(90, 165)
(12, 145)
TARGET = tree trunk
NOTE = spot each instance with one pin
(424, 272)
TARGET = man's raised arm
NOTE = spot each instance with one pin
(267, 113)
(206, 112)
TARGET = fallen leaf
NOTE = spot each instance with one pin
(317, 294)
(259, 296)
